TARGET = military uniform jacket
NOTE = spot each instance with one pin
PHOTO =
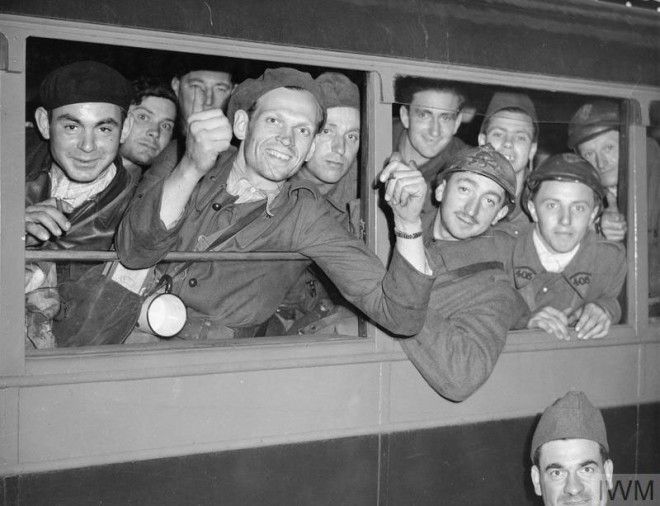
(472, 307)
(242, 293)
(595, 274)
(94, 223)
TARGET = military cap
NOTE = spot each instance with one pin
(509, 100)
(338, 90)
(85, 81)
(591, 120)
(485, 161)
(571, 417)
(249, 91)
(563, 167)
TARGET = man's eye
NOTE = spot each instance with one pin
(589, 469)
(354, 138)
(167, 126)
(325, 131)
(447, 116)
(271, 120)
(580, 208)
(522, 138)
(551, 205)
(556, 474)
(496, 134)
(70, 127)
(106, 129)
(305, 131)
(142, 117)
(423, 114)
(463, 189)
(490, 202)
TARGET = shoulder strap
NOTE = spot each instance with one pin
(227, 234)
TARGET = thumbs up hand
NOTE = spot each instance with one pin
(612, 222)
(208, 134)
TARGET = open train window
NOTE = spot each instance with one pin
(434, 120)
(68, 298)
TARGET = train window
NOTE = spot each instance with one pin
(72, 295)
(653, 176)
(549, 132)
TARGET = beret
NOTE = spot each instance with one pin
(338, 90)
(571, 417)
(248, 92)
(563, 167)
(507, 100)
(591, 120)
(85, 81)
(485, 161)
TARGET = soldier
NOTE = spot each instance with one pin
(77, 188)
(511, 127)
(153, 110)
(216, 187)
(570, 454)
(473, 302)
(430, 114)
(594, 134)
(565, 272)
(313, 305)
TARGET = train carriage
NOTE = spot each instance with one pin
(335, 419)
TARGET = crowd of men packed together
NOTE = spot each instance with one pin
(483, 242)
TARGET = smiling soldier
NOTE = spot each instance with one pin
(77, 188)
(511, 127)
(216, 187)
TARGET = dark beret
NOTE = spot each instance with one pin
(85, 81)
(571, 417)
(248, 92)
(485, 161)
(338, 90)
(591, 120)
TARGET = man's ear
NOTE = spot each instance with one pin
(594, 214)
(532, 211)
(481, 139)
(500, 214)
(126, 128)
(459, 120)
(241, 122)
(41, 118)
(403, 115)
(312, 148)
(175, 83)
(532, 151)
(609, 471)
(440, 190)
(536, 480)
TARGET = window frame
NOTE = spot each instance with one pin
(140, 361)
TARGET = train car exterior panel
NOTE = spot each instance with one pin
(482, 33)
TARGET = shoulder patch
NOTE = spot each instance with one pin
(580, 279)
(524, 272)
